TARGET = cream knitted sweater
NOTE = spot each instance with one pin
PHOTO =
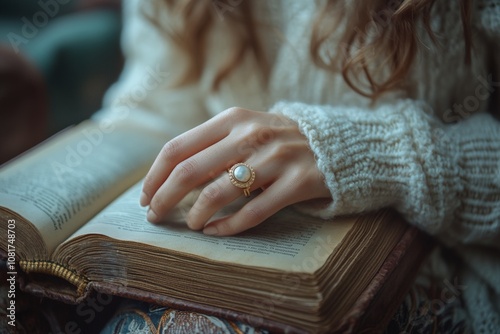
(433, 154)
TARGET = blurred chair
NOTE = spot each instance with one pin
(23, 105)
(67, 50)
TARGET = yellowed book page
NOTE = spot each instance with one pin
(63, 183)
(288, 241)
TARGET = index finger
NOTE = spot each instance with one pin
(179, 149)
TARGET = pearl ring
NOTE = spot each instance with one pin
(242, 176)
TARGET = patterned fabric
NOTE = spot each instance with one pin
(432, 306)
(435, 303)
(142, 318)
(431, 309)
(428, 308)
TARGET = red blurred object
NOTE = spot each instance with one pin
(23, 105)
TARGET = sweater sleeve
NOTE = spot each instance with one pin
(145, 94)
(445, 179)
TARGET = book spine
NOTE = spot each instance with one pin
(58, 270)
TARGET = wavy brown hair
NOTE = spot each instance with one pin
(385, 28)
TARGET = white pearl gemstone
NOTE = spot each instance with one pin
(242, 173)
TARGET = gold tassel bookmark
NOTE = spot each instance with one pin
(58, 270)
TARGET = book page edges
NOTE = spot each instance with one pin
(377, 304)
(409, 253)
(24, 231)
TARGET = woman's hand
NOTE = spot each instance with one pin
(272, 144)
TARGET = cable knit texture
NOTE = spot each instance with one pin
(432, 153)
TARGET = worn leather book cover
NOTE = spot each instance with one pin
(370, 313)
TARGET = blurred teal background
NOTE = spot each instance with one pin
(57, 58)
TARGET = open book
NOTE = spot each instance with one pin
(73, 203)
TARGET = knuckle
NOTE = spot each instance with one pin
(252, 214)
(266, 135)
(185, 172)
(148, 185)
(235, 114)
(233, 110)
(171, 149)
(157, 204)
(211, 194)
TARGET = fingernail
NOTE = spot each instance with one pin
(210, 230)
(144, 200)
(151, 216)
